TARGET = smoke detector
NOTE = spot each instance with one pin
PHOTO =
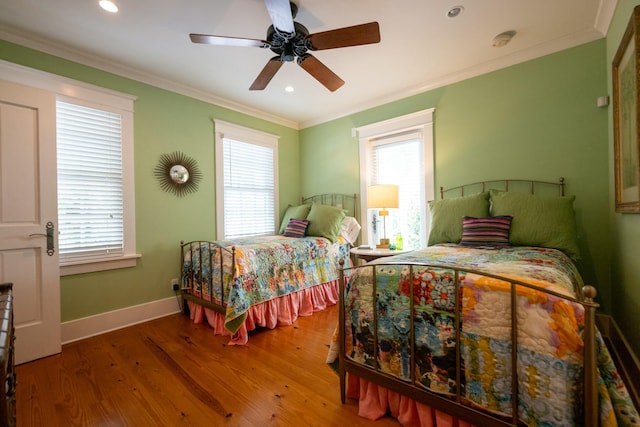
(503, 38)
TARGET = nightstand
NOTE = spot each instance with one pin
(370, 254)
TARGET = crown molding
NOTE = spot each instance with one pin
(42, 45)
(570, 41)
(599, 30)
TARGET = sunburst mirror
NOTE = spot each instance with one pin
(178, 173)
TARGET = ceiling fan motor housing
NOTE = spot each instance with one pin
(289, 45)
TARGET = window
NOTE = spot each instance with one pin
(397, 160)
(399, 151)
(82, 255)
(246, 181)
(95, 186)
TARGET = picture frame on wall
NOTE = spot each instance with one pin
(626, 122)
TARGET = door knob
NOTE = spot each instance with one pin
(49, 236)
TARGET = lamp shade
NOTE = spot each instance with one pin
(382, 196)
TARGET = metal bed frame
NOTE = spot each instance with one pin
(457, 405)
(228, 257)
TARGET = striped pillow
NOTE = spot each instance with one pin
(492, 231)
(296, 228)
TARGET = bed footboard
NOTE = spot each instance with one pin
(455, 403)
(205, 265)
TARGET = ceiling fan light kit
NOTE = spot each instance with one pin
(290, 41)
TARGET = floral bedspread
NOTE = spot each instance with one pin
(549, 334)
(266, 267)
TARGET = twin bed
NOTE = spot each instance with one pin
(266, 281)
(489, 325)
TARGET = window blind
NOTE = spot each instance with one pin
(90, 196)
(249, 189)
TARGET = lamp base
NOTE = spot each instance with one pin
(384, 244)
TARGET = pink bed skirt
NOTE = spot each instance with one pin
(276, 312)
(375, 401)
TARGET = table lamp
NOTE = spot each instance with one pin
(382, 197)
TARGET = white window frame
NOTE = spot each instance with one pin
(419, 121)
(129, 256)
(74, 91)
(240, 133)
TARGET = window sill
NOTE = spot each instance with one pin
(90, 266)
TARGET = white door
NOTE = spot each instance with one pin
(28, 202)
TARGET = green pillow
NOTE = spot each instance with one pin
(544, 221)
(325, 221)
(447, 215)
(293, 212)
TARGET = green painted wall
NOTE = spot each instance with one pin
(625, 228)
(535, 120)
(164, 122)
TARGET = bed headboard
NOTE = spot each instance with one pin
(347, 202)
(541, 214)
(523, 185)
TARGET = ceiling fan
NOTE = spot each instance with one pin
(289, 39)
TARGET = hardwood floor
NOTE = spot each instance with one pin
(170, 372)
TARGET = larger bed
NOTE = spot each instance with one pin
(267, 281)
(490, 325)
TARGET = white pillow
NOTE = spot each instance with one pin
(350, 229)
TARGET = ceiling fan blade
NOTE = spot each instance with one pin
(320, 72)
(228, 41)
(347, 36)
(267, 74)
(280, 13)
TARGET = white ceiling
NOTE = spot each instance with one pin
(420, 49)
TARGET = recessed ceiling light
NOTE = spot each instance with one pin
(455, 11)
(108, 5)
(503, 38)
(289, 89)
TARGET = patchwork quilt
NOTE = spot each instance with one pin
(265, 268)
(549, 336)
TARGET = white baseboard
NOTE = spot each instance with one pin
(86, 327)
